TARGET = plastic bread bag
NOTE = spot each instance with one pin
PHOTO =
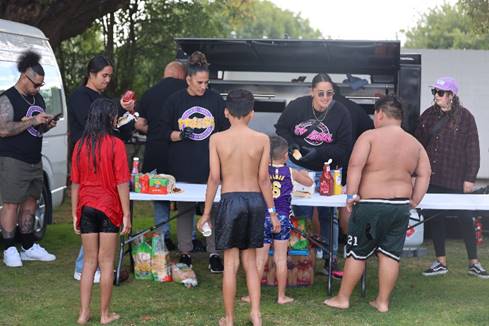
(160, 259)
(141, 254)
(184, 274)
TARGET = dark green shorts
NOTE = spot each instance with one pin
(19, 180)
(377, 225)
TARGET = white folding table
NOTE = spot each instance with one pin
(196, 193)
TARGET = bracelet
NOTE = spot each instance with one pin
(272, 210)
(351, 197)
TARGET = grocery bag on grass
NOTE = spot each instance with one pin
(160, 259)
(141, 254)
(184, 274)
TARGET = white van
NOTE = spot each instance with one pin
(14, 39)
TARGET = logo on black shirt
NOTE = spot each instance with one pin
(200, 119)
(314, 132)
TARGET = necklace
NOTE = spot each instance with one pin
(33, 100)
(319, 118)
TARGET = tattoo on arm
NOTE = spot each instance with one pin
(8, 127)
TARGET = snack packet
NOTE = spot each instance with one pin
(141, 254)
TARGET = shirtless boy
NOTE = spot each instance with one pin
(388, 173)
(239, 160)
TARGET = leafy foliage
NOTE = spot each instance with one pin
(140, 39)
(446, 27)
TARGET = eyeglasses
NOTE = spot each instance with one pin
(36, 85)
(440, 92)
(327, 93)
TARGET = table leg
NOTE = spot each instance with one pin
(330, 256)
(364, 282)
(122, 249)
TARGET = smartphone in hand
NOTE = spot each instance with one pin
(58, 116)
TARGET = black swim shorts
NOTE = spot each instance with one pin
(94, 221)
(240, 220)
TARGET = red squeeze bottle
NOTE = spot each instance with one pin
(326, 181)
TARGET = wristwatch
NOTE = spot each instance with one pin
(351, 197)
(272, 210)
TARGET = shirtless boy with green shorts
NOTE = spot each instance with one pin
(381, 190)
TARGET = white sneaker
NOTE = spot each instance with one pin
(11, 257)
(96, 277)
(36, 252)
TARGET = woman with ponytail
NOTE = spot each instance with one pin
(190, 117)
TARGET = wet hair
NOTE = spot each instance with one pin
(30, 59)
(95, 65)
(99, 124)
(240, 102)
(390, 105)
(322, 77)
(278, 147)
(197, 63)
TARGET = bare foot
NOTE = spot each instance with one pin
(337, 303)
(381, 307)
(225, 322)
(255, 319)
(83, 318)
(109, 318)
(285, 300)
(246, 299)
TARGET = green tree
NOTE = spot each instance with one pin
(478, 11)
(446, 27)
(140, 38)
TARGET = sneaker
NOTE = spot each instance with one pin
(436, 268)
(335, 271)
(36, 252)
(96, 276)
(198, 246)
(170, 245)
(479, 271)
(185, 259)
(215, 264)
(11, 257)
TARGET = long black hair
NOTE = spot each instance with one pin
(100, 123)
(96, 64)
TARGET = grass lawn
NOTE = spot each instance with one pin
(46, 293)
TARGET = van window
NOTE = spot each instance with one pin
(51, 91)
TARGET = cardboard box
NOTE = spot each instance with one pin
(300, 265)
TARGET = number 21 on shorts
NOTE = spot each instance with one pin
(352, 240)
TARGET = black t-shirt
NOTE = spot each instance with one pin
(151, 107)
(27, 145)
(360, 123)
(330, 135)
(79, 104)
(189, 159)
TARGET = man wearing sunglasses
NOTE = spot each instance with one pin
(448, 132)
(22, 123)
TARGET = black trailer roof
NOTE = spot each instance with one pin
(286, 55)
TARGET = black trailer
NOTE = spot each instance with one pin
(233, 62)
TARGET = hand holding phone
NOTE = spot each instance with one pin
(58, 116)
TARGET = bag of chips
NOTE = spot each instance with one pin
(141, 254)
